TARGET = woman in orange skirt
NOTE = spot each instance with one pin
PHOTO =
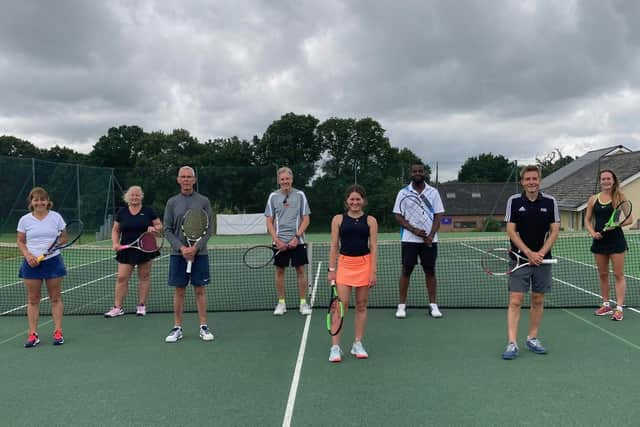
(353, 264)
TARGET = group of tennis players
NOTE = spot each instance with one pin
(532, 224)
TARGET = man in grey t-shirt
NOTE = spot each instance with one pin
(287, 215)
(181, 253)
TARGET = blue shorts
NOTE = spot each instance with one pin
(178, 275)
(51, 268)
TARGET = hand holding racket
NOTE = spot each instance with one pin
(65, 238)
(499, 262)
(417, 213)
(618, 216)
(335, 313)
(148, 242)
(194, 227)
(259, 256)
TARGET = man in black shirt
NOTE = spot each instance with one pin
(533, 224)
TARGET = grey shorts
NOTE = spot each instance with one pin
(538, 279)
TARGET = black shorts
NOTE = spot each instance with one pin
(292, 257)
(411, 251)
(135, 257)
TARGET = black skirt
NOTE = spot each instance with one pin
(135, 257)
(612, 242)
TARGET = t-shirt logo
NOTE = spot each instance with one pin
(543, 209)
(522, 209)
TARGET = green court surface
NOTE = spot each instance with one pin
(421, 371)
(273, 371)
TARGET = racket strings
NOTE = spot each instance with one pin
(195, 224)
(496, 261)
(335, 316)
(150, 242)
(258, 256)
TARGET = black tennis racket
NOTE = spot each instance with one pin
(416, 212)
(259, 256)
(503, 262)
(618, 216)
(194, 227)
(148, 242)
(65, 238)
(335, 312)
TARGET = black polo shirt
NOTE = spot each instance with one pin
(533, 219)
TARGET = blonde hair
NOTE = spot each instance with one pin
(38, 192)
(125, 196)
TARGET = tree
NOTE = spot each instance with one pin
(486, 168)
(116, 149)
(291, 141)
(552, 162)
(15, 147)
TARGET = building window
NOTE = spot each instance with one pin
(451, 195)
(475, 195)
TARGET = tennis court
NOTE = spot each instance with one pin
(266, 370)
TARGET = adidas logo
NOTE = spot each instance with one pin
(522, 209)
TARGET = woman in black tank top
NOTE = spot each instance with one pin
(353, 264)
(610, 246)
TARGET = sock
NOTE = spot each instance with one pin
(303, 301)
(619, 308)
(281, 301)
(402, 306)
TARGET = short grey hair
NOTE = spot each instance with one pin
(285, 169)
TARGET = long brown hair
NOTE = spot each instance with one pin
(617, 196)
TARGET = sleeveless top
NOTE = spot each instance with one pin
(354, 236)
(612, 241)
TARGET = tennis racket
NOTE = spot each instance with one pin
(618, 216)
(259, 256)
(65, 238)
(148, 242)
(417, 211)
(194, 227)
(500, 262)
(335, 313)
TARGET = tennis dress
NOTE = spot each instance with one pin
(613, 241)
(131, 227)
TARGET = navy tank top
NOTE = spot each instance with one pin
(354, 236)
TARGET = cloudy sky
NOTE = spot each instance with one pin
(447, 79)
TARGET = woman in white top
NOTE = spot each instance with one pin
(37, 231)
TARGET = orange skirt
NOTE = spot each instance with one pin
(353, 271)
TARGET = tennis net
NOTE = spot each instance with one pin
(89, 285)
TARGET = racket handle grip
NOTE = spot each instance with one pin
(189, 263)
(550, 261)
(40, 259)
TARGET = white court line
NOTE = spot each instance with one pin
(70, 268)
(600, 328)
(577, 288)
(288, 414)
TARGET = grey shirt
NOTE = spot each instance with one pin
(174, 212)
(287, 211)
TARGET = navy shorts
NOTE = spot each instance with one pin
(410, 252)
(48, 269)
(178, 275)
(292, 257)
(537, 278)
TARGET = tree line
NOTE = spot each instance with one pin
(237, 174)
